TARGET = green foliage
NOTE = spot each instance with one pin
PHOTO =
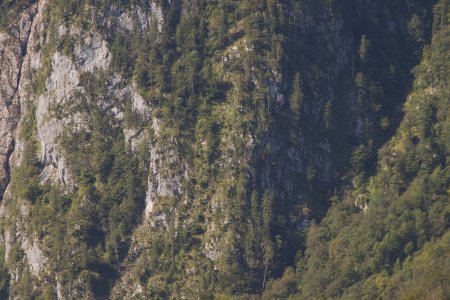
(96, 218)
(426, 275)
(296, 102)
(4, 275)
(364, 48)
(248, 170)
(26, 180)
(283, 287)
(392, 250)
(328, 115)
(10, 9)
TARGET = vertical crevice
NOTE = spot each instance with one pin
(16, 114)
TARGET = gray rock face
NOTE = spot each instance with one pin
(13, 48)
(141, 20)
(61, 84)
(268, 159)
(162, 182)
(35, 257)
(92, 54)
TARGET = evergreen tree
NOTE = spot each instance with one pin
(296, 99)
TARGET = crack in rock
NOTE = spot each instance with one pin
(16, 51)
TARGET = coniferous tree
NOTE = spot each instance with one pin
(364, 47)
(296, 99)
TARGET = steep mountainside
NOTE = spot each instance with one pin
(183, 149)
(399, 248)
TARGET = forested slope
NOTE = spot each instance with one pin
(398, 247)
(222, 149)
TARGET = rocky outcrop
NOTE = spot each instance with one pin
(60, 86)
(14, 43)
(138, 19)
(199, 200)
(61, 89)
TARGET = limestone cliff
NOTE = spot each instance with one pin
(182, 148)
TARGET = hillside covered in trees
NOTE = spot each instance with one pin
(224, 149)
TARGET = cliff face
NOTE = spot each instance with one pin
(395, 249)
(14, 48)
(182, 148)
